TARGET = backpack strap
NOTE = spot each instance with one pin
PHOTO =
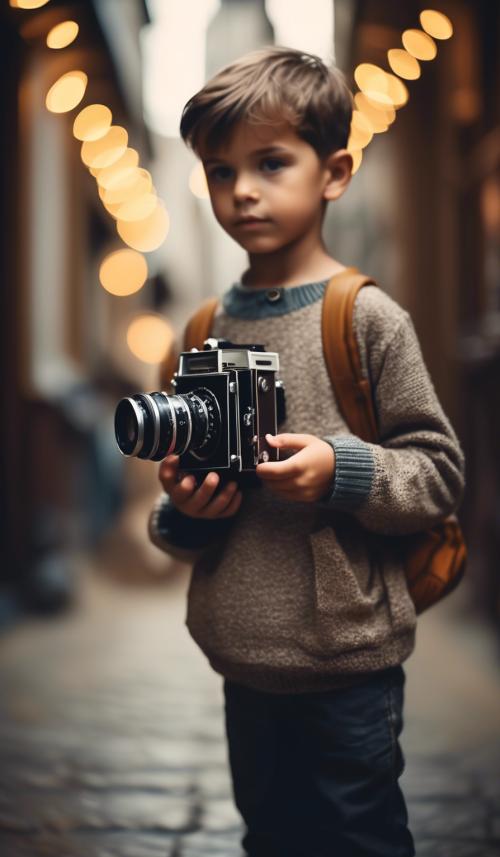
(342, 357)
(196, 331)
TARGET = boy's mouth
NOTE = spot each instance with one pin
(251, 221)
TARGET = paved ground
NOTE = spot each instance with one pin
(111, 741)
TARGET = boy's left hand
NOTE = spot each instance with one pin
(305, 476)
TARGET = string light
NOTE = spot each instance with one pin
(149, 337)
(28, 4)
(436, 24)
(119, 172)
(106, 150)
(145, 235)
(123, 272)
(67, 92)
(403, 64)
(62, 35)
(198, 181)
(419, 44)
(381, 93)
(92, 122)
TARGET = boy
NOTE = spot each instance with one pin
(296, 599)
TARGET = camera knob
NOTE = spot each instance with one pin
(247, 418)
(263, 385)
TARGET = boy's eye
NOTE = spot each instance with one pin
(272, 165)
(220, 173)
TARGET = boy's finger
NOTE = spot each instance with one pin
(233, 506)
(203, 495)
(219, 504)
(181, 492)
(167, 475)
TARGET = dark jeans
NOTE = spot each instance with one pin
(316, 774)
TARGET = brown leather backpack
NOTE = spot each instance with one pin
(434, 559)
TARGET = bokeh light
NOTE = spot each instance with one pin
(138, 208)
(123, 171)
(148, 234)
(67, 92)
(198, 182)
(28, 4)
(62, 35)
(380, 87)
(419, 44)
(357, 157)
(149, 337)
(106, 150)
(378, 116)
(397, 91)
(371, 80)
(403, 64)
(123, 272)
(135, 183)
(93, 122)
(361, 131)
(436, 24)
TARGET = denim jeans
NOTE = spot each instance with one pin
(316, 774)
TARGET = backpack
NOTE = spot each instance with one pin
(434, 560)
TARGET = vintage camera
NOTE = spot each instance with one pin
(227, 397)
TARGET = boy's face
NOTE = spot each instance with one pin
(266, 186)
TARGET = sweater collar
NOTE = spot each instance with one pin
(246, 302)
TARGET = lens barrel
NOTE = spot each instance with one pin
(153, 425)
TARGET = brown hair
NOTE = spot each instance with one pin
(270, 86)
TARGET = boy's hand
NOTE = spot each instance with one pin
(197, 502)
(305, 476)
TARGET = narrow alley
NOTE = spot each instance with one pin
(111, 743)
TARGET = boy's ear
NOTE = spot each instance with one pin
(339, 170)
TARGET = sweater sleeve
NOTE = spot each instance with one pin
(179, 535)
(414, 476)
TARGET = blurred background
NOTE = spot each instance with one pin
(108, 244)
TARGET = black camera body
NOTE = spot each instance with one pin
(227, 398)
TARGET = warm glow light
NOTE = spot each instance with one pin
(379, 117)
(149, 337)
(141, 183)
(66, 92)
(403, 64)
(380, 87)
(372, 81)
(361, 131)
(28, 4)
(357, 157)
(145, 235)
(119, 173)
(105, 151)
(123, 272)
(62, 35)
(92, 122)
(198, 181)
(138, 208)
(436, 24)
(419, 44)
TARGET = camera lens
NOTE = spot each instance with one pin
(153, 425)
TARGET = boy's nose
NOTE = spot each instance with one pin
(245, 188)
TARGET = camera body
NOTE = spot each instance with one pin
(250, 399)
(227, 398)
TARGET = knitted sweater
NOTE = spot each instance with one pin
(291, 596)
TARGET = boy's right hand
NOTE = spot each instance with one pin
(198, 502)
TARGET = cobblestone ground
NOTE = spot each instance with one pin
(111, 735)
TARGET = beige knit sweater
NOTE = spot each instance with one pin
(293, 597)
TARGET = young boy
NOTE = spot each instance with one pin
(296, 599)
